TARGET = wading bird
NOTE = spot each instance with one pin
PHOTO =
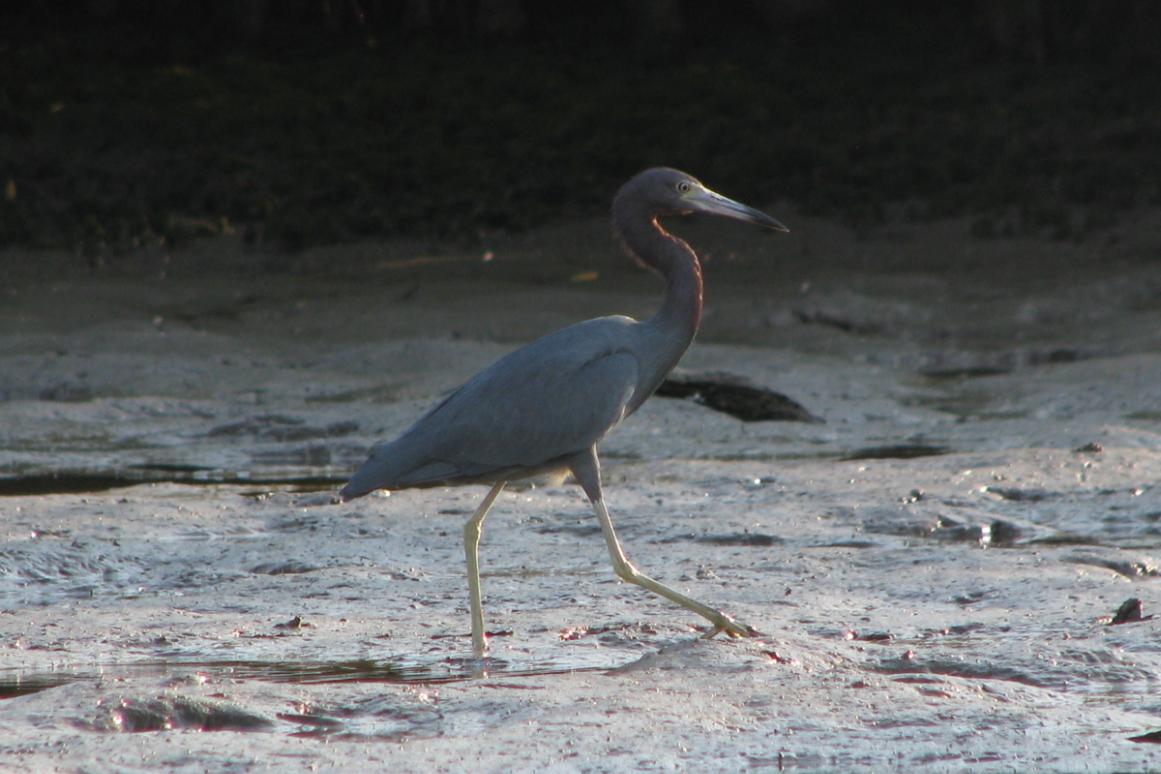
(544, 408)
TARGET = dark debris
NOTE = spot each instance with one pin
(1130, 611)
(732, 395)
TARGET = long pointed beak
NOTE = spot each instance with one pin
(705, 200)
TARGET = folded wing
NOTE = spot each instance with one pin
(553, 398)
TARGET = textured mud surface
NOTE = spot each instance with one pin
(936, 565)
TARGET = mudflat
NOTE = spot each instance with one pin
(936, 567)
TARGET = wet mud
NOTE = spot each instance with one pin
(956, 570)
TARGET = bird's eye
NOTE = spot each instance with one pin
(684, 187)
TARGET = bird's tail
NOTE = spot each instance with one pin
(398, 464)
(353, 490)
(377, 472)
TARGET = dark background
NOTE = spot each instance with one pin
(126, 124)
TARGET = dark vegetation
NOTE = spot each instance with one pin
(123, 124)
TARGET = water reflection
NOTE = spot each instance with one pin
(15, 682)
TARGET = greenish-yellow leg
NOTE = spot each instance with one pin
(625, 570)
(472, 532)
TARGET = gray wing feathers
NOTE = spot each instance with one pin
(555, 397)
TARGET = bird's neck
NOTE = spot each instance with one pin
(674, 325)
(678, 264)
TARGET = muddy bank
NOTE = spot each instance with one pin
(936, 565)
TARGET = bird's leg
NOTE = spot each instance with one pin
(472, 552)
(626, 571)
(586, 468)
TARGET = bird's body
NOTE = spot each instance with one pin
(477, 424)
(545, 407)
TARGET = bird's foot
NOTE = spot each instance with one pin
(733, 629)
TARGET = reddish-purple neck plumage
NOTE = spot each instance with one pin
(664, 337)
(670, 257)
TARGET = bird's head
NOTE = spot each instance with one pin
(667, 191)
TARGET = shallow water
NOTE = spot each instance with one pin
(16, 682)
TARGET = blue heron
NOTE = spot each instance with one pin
(544, 408)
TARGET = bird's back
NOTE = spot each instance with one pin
(520, 416)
